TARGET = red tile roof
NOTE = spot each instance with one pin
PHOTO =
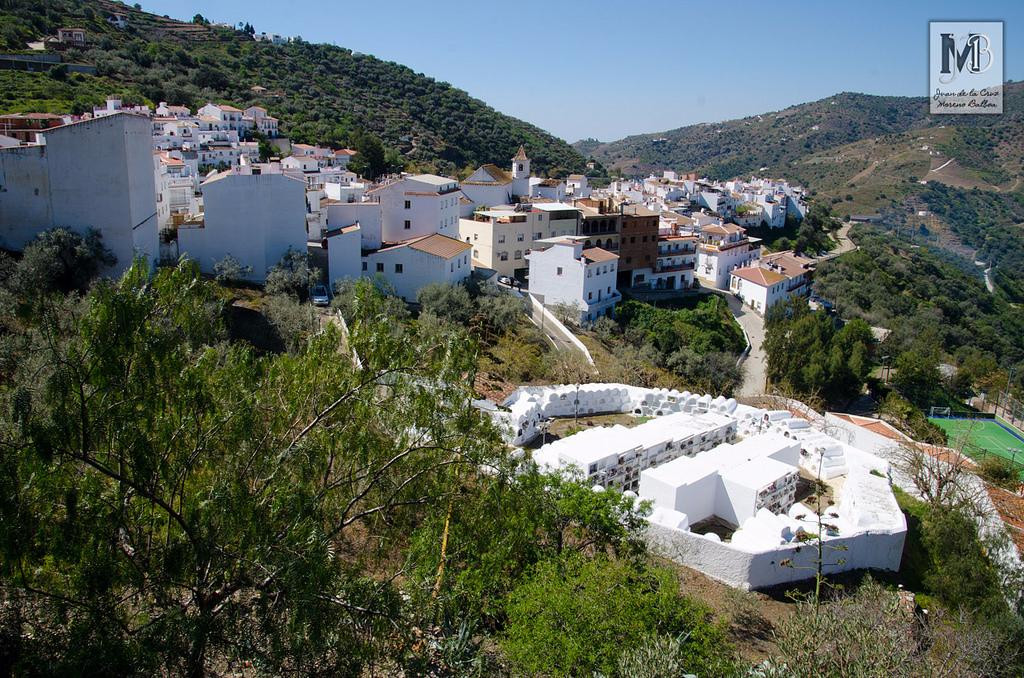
(598, 255)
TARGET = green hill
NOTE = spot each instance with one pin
(321, 93)
(952, 181)
(773, 140)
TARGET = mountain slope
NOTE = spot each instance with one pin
(726, 149)
(324, 93)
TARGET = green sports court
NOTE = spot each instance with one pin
(983, 435)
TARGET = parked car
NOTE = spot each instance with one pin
(504, 280)
(320, 296)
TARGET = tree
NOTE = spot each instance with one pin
(917, 375)
(230, 270)
(372, 160)
(809, 357)
(875, 632)
(294, 322)
(574, 616)
(193, 506)
(497, 311)
(200, 19)
(60, 261)
(451, 302)
(292, 275)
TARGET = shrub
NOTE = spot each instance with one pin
(574, 616)
(1000, 472)
(292, 275)
(60, 260)
(230, 270)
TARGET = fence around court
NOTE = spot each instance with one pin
(981, 435)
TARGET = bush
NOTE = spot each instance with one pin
(294, 322)
(573, 616)
(451, 302)
(60, 260)
(292, 275)
(230, 270)
(1000, 472)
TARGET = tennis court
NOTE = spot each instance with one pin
(983, 435)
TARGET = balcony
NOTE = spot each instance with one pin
(673, 268)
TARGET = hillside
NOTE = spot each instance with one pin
(321, 93)
(726, 149)
(952, 181)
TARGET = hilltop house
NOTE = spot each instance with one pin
(229, 116)
(563, 272)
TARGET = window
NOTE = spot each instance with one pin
(475, 235)
(519, 254)
(476, 254)
(398, 268)
(632, 239)
(503, 256)
(501, 238)
(540, 217)
(408, 204)
(408, 224)
(538, 235)
(520, 167)
(558, 271)
(364, 265)
(609, 289)
(590, 295)
(520, 237)
(380, 267)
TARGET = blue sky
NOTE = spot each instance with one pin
(601, 69)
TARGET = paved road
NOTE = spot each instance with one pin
(754, 367)
(843, 245)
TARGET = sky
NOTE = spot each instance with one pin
(592, 68)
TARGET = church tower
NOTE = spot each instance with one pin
(521, 173)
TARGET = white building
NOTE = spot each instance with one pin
(548, 189)
(488, 186)
(418, 205)
(176, 186)
(722, 248)
(164, 110)
(577, 186)
(565, 273)
(774, 278)
(411, 265)
(520, 173)
(95, 174)
(254, 217)
(616, 456)
(502, 237)
(730, 512)
(344, 253)
(731, 482)
(257, 118)
(114, 105)
(229, 116)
